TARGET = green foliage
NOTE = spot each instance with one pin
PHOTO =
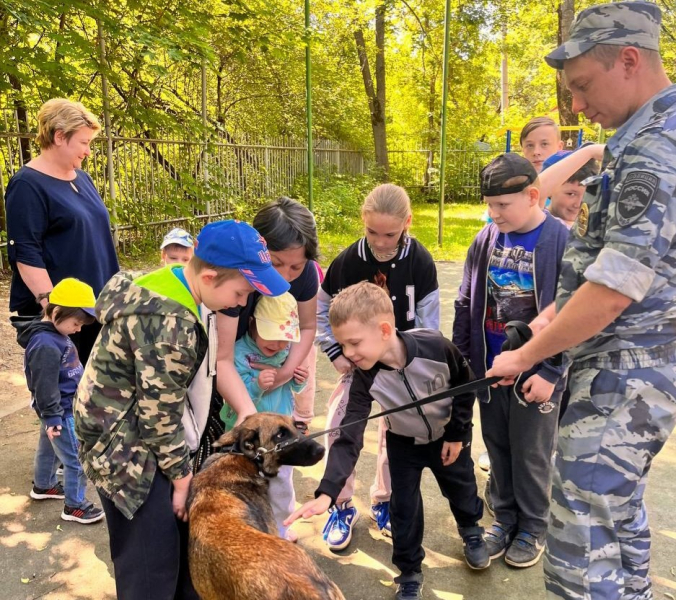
(337, 200)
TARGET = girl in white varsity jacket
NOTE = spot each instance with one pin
(398, 263)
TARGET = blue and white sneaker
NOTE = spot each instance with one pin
(338, 529)
(380, 513)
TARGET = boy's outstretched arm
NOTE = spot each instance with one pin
(556, 175)
(310, 509)
(344, 451)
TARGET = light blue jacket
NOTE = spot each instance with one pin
(279, 400)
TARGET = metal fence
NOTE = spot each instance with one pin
(164, 183)
(420, 168)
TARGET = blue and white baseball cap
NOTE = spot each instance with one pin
(178, 236)
(236, 245)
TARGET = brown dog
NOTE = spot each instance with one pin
(235, 552)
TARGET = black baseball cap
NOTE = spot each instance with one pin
(503, 168)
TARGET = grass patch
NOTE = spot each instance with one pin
(461, 223)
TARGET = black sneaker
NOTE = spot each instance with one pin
(86, 515)
(525, 550)
(476, 551)
(411, 589)
(52, 493)
(498, 537)
(488, 501)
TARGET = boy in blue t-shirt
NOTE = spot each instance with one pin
(511, 272)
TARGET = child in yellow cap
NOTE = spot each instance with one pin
(274, 326)
(53, 371)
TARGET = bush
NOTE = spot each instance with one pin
(337, 200)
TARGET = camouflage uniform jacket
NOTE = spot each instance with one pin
(131, 398)
(625, 239)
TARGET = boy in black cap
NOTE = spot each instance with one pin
(511, 271)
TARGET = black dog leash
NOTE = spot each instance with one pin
(517, 332)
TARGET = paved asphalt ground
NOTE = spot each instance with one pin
(44, 557)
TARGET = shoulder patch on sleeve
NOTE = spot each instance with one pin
(637, 193)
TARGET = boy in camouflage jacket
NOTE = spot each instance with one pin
(132, 396)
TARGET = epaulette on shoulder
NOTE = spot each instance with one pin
(670, 123)
(655, 126)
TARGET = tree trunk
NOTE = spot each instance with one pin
(566, 12)
(376, 94)
(432, 138)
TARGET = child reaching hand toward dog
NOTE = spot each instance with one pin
(394, 368)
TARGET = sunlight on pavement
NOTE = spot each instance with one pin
(36, 542)
(79, 569)
(436, 560)
(665, 582)
(447, 595)
(11, 504)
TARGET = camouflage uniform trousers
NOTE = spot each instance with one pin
(598, 540)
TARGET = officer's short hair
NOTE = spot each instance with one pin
(607, 55)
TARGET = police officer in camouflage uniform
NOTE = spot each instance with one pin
(615, 312)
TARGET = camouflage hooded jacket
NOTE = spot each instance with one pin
(131, 398)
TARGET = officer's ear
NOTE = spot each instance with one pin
(630, 58)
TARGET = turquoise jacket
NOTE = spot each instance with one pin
(279, 400)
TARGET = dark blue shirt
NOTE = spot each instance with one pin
(511, 286)
(59, 227)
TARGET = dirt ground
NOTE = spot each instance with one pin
(44, 557)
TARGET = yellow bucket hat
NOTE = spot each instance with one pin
(74, 293)
(277, 318)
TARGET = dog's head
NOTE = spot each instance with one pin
(271, 440)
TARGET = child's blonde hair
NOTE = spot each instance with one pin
(64, 115)
(362, 301)
(388, 199)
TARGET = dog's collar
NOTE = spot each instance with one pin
(260, 452)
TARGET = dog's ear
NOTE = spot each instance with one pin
(227, 439)
(248, 441)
